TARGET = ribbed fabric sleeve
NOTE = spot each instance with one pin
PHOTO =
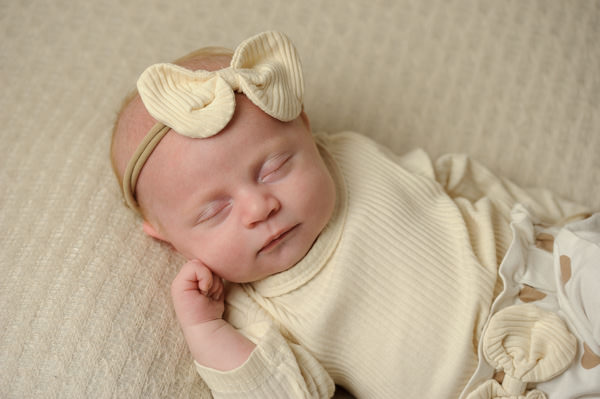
(271, 369)
(392, 298)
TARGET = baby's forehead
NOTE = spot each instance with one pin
(135, 121)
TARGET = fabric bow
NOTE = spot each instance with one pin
(530, 345)
(199, 104)
(491, 389)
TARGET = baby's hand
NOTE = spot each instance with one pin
(198, 295)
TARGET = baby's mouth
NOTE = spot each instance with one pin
(274, 240)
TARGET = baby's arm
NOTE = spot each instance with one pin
(231, 364)
(198, 298)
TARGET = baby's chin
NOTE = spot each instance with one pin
(293, 259)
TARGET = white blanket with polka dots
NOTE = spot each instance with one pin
(551, 281)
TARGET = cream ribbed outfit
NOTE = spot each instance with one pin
(392, 298)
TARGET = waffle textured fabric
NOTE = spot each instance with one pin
(86, 309)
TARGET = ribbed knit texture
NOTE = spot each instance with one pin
(200, 103)
(85, 299)
(392, 298)
(529, 344)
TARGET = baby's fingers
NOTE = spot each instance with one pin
(194, 276)
(203, 277)
(216, 290)
(209, 283)
(197, 294)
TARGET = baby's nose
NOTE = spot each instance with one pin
(258, 206)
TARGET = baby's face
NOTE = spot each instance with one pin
(248, 202)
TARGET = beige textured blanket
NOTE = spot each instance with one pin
(85, 299)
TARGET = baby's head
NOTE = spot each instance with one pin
(248, 200)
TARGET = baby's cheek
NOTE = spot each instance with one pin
(229, 259)
(233, 254)
(308, 185)
(320, 193)
(207, 251)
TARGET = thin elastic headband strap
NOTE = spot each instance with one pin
(137, 161)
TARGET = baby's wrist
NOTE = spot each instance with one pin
(216, 344)
(205, 330)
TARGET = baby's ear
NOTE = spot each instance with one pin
(152, 231)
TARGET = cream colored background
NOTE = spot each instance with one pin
(85, 296)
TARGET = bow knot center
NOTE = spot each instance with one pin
(230, 76)
(513, 386)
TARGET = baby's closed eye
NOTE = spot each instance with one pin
(275, 168)
(214, 211)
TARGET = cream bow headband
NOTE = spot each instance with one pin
(199, 104)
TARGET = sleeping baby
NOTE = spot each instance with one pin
(320, 259)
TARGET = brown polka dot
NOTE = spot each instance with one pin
(499, 376)
(544, 241)
(530, 294)
(589, 360)
(565, 268)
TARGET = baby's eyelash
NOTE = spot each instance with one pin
(212, 210)
(272, 166)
